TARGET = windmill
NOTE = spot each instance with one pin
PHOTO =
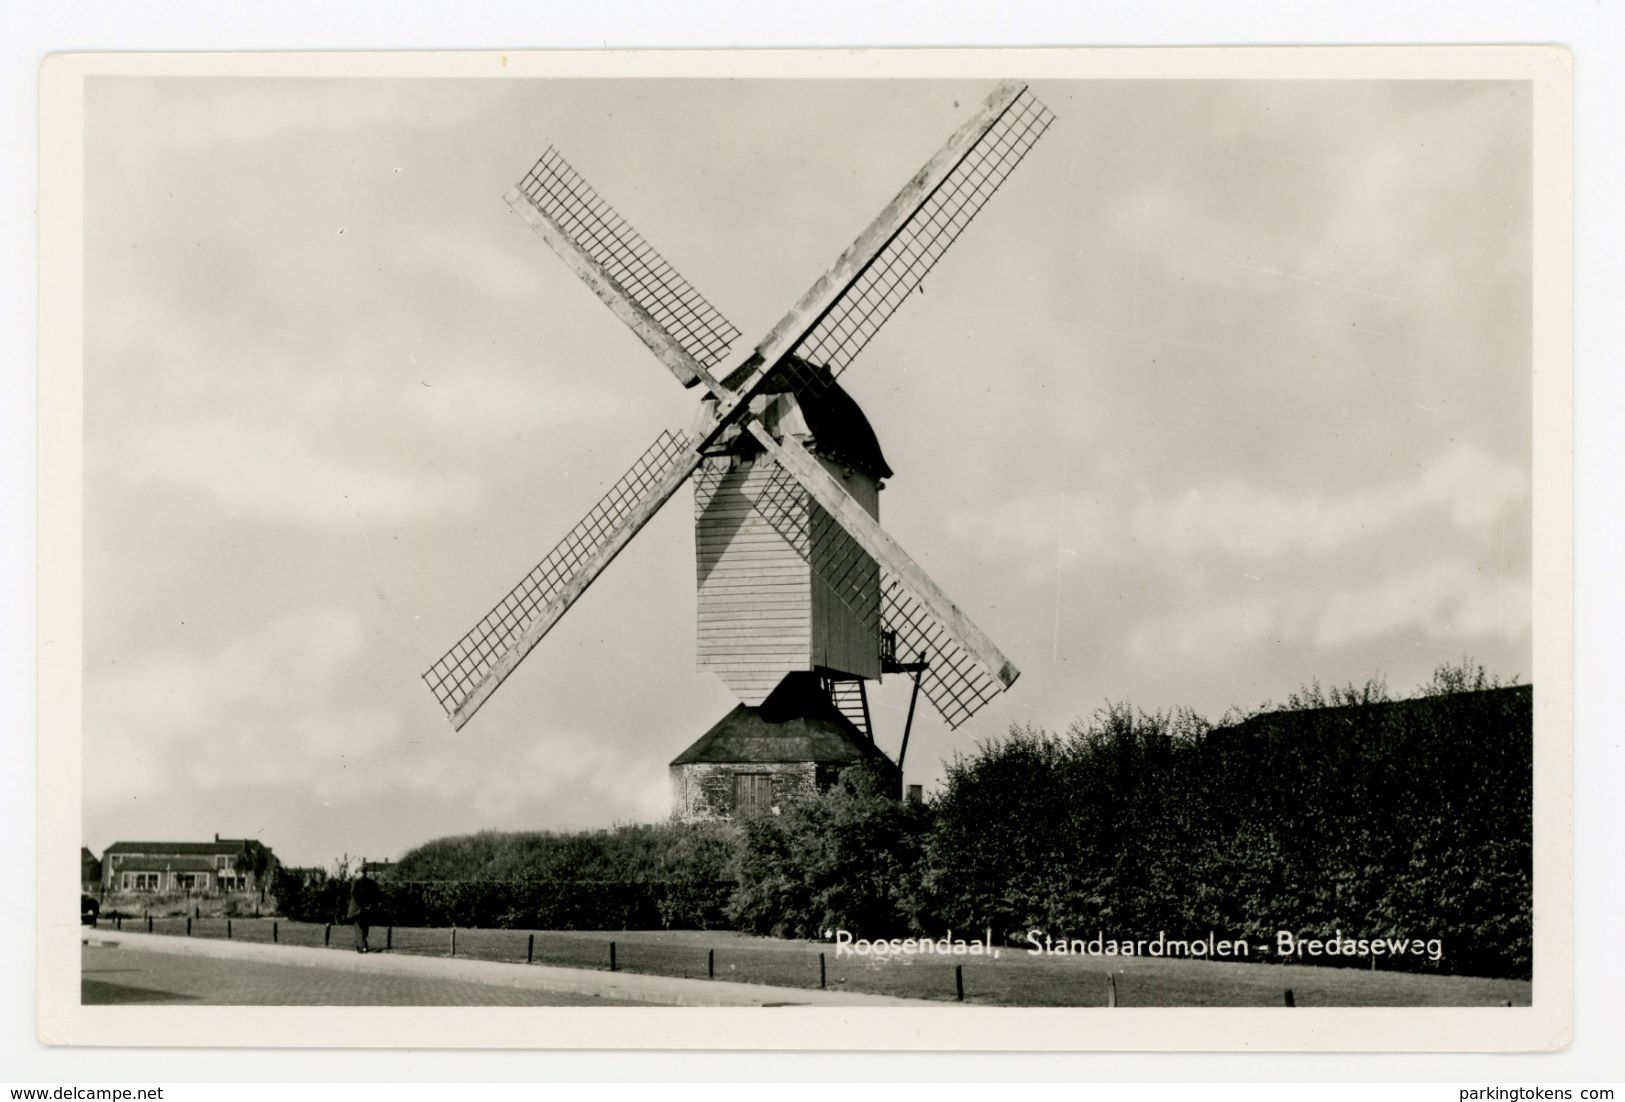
(803, 597)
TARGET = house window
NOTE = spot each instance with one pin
(753, 793)
(221, 861)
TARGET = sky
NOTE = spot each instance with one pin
(1227, 389)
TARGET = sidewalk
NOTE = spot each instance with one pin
(659, 990)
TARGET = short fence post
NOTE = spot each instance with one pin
(188, 925)
(228, 929)
(959, 982)
(1111, 989)
(274, 938)
(389, 937)
(612, 956)
(197, 912)
(1290, 1001)
(327, 935)
(256, 910)
(530, 949)
(454, 941)
(710, 964)
(821, 974)
(149, 924)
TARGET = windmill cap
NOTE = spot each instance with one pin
(840, 431)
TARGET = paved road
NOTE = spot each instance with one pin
(128, 975)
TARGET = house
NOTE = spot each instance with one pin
(756, 759)
(377, 870)
(225, 864)
(90, 870)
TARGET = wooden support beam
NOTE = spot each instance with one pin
(827, 291)
(908, 724)
(612, 294)
(669, 483)
(829, 493)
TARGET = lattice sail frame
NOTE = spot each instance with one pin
(954, 681)
(904, 262)
(458, 672)
(553, 187)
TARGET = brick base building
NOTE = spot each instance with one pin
(755, 759)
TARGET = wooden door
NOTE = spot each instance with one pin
(753, 793)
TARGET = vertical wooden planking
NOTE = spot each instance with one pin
(754, 603)
(841, 640)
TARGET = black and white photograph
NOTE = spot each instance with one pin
(869, 539)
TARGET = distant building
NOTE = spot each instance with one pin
(377, 870)
(90, 870)
(225, 864)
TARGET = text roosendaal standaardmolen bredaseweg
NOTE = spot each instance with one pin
(1287, 946)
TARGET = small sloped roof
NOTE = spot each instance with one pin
(840, 430)
(797, 723)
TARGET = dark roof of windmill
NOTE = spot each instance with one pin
(798, 722)
(840, 430)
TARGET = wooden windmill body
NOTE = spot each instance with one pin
(802, 596)
(764, 548)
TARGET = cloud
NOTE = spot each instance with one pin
(155, 716)
(290, 717)
(259, 470)
(1465, 484)
(1449, 602)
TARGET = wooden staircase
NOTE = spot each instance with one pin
(852, 701)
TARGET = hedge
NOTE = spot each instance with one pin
(524, 904)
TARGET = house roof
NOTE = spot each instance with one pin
(839, 429)
(224, 845)
(166, 864)
(797, 723)
(1513, 703)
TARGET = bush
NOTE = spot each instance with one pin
(632, 853)
(671, 876)
(1375, 817)
(847, 859)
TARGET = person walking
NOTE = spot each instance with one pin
(363, 908)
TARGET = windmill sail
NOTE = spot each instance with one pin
(956, 681)
(843, 565)
(470, 671)
(910, 254)
(956, 684)
(843, 310)
(677, 322)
